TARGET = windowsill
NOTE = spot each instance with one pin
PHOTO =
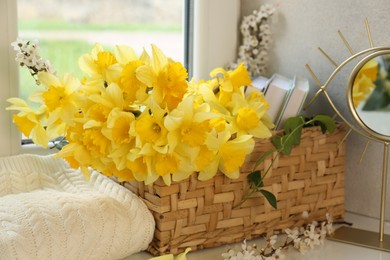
(35, 149)
(329, 250)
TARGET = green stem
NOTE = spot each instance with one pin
(271, 164)
(247, 196)
(252, 190)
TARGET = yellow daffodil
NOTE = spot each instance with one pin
(166, 163)
(364, 82)
(205, 158)
(187, 124)
(138, 117)
(118, 126)
(150, 128)
(60, 96)
(166, 78)
(124, 54)
(29, 122)
(133, 89)
(233, 153)
(187, 162)
(100, 63)
(30, 127)
(250, 116)
(230, 155)
(123, 175)
(231, 82)
(138, 167)
(181, 256)
(77, 156)
(95, 142)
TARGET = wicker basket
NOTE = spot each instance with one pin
(198, 214)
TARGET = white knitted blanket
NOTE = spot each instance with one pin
(49, 211)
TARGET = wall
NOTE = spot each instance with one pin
(302, 27)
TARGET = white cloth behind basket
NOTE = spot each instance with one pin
(50, 211)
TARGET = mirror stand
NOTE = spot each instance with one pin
(365, 238)
(369, 109)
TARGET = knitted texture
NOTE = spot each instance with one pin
(50, 211)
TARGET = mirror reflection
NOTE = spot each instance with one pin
(371, 94)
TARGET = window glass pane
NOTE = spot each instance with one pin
(68, 29)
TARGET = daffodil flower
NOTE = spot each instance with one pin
(181, 256)
(166, 78)
(230, 154)
(250, 116)
(29, 122)
(188, 124)
(100, 63)
(364, 82)
(60, 97)
(138, 118)
(231, 82)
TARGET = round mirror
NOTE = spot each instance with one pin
(368, 94)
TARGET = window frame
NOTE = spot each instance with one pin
(9, 134)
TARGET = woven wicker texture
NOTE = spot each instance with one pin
(198, 214)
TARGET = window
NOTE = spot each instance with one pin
(65, 32)
(68, 29)
(213, 38)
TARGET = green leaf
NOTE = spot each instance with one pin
(277, 142)
(262, 158)
(270, 198)
(288, 144)
(326, 123)
(283, 144)
(293, 122)
(293, 127)
(255, 179)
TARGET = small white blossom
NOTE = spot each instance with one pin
(49, 67)
(272, 240)
(266, 41)
(262, 57)
(253, 41)
(305, 214)
(27, 55)
(229, 254)
(19, 44)
(303, 239)
(269, 9)
(303, 248)
(265, 29)
(293, 234)
(279, 254)
(256, 40)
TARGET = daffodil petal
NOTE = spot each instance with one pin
(145, 75)
(159, 58)
(48, 79)
(209, 171)
(87, 64)
(167, 179)
(261, 131)
(182, 256)
(39, 136)
(124, 54)
(115, 94)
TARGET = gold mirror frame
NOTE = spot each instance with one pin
(359, 237)
(351, 81)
